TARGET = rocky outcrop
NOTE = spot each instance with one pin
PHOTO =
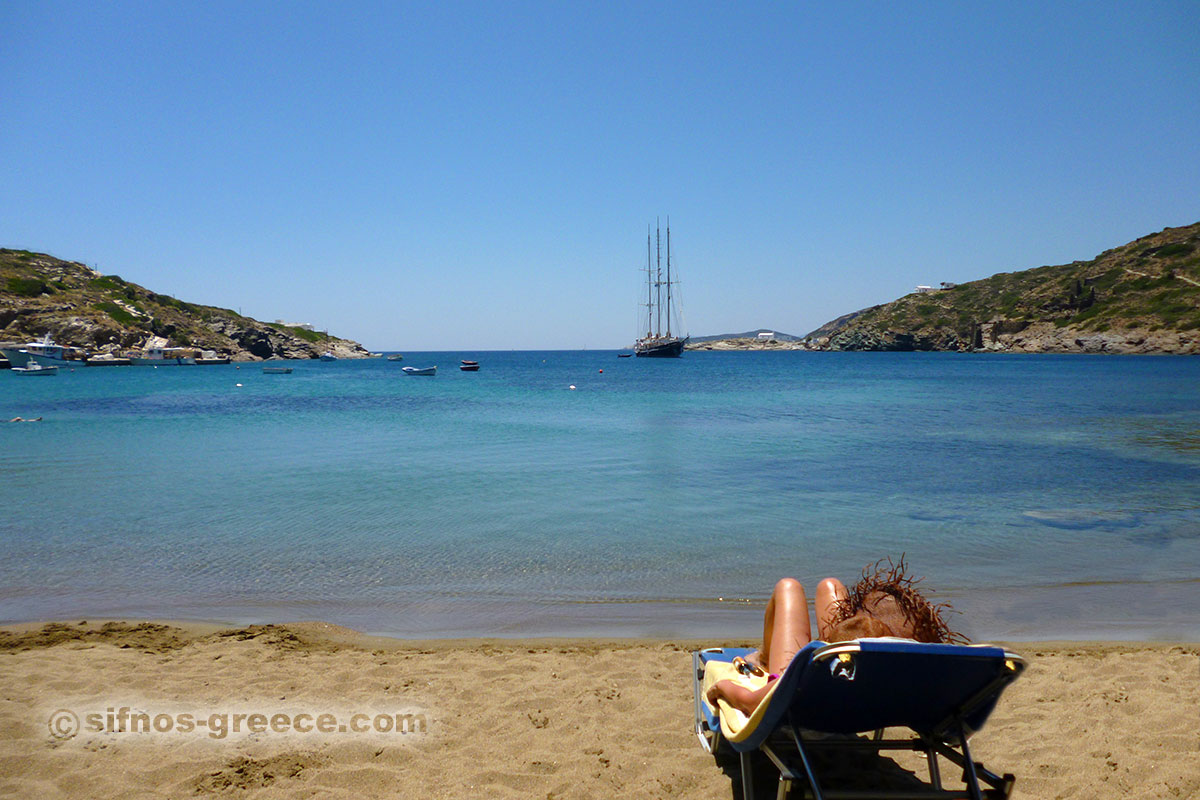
(1141, 297)
(104, 314)
(1043, 337)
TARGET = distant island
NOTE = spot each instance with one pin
(1141, 297)
(107, 316)
(761, 339)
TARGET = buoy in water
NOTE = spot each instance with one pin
(571, 387)
(239, 384)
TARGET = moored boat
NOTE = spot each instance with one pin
(45, 350)
(659, 342)
(420, 370)
(395, 357)
(469, 366)
(165, 357)
(34, 368)
(328, 356)
(277, 370)
(209, 358)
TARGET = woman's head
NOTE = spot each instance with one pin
(859, 626)
(887, 597)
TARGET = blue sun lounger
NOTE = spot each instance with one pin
(942, 693)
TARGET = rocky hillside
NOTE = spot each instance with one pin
(79, 307)
(1142, 297)
(754, 334)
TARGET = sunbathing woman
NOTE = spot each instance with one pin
(883, 603)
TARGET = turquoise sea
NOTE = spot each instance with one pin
(1045, 496)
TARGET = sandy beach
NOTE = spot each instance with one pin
(322, 711)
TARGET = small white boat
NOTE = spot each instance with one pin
(33, 368)
(395, 357)
(328, 356)
(277, 370)
(420, 371)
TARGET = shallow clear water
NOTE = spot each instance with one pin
(1045, 496)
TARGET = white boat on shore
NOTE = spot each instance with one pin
(34, 368)
(420, 370)
(164, 356)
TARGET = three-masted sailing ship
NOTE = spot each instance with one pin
(659, 342)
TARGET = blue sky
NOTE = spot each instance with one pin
(480, 176)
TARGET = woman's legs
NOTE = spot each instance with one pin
(830, 592)
(785, 625)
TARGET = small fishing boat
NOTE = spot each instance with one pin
(164, 357)
(328, 356)
(33, 368)
(469, 366)
(420, 370)
(277, 370)
(45, 349)
(624, 355)
(395, 357)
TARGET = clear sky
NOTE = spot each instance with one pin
(480, 175)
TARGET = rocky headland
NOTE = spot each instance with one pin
(106, 315)
(1140, 298)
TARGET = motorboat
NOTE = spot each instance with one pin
(33, 368)
(328, 356)
(420, 370)
(277, 370)
(51, 354)
(395, 357)
(469, 366)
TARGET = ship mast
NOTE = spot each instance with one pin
(668, 277)
(649, 287)
(658, 279)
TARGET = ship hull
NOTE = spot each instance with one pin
(178, 361)
(20, 358)
(663, 348)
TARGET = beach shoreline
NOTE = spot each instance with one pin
(508, 717)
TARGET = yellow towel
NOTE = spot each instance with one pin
(736, 726)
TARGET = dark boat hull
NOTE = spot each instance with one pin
(668, 348)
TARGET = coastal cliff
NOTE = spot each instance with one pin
(1141, 297)
(80, 307)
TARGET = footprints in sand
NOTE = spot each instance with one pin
(244, 773)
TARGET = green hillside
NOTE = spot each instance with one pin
(1140, 297)
(81, 308)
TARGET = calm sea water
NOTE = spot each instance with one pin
(1045, 496)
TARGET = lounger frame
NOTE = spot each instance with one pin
(790, 747)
